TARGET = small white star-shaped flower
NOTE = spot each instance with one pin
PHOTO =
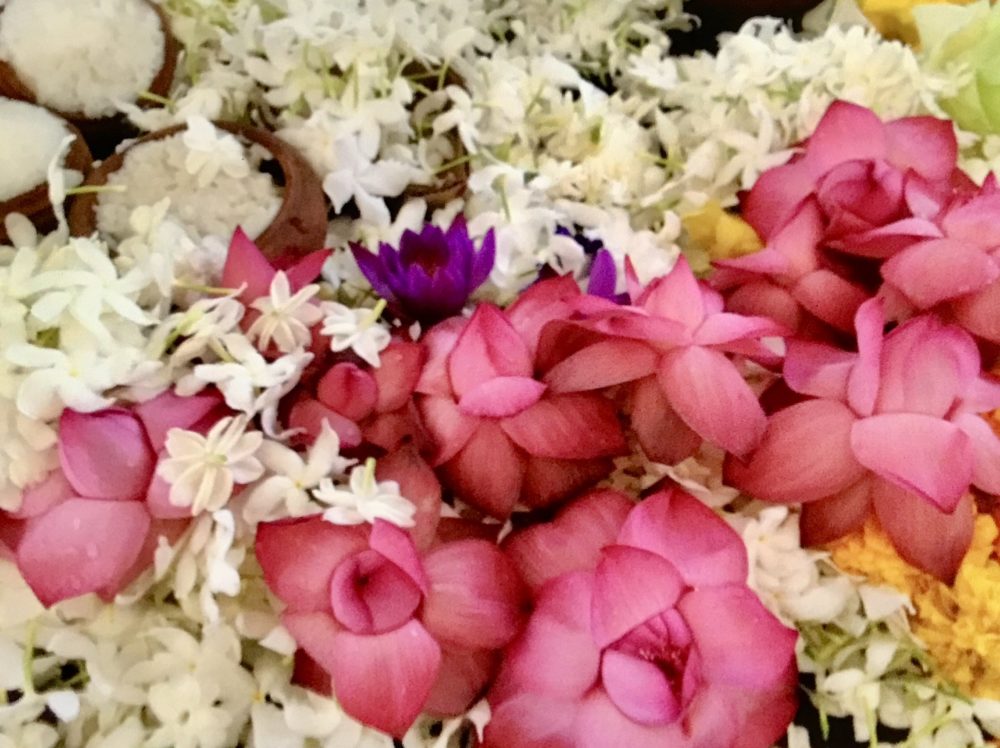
(357, 329)
(365, 500)
(285, 317)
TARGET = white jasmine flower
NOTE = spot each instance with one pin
(357, 329)
(205, 322)
(202, 470)
(60, 380)
(211, 151)
(365, 500)
(285, 318)
(286, 491)
(222, 561)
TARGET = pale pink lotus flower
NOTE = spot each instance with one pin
(643, 634)
(392, 630)
(894, 428)
(488, 415)
(92, 525)
(670, 347)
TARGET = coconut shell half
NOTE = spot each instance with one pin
(34, 203)
(298, 228)
(104, 133)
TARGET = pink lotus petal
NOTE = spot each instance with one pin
(308, 673)
(438, 343)
(664, 437)
(924, 144)
(775, 196)
(419, 485)
(805, 455)
(630, 586)
(563, 338)
(315, 633)
(501, 397)
(488, 347)
(600, 724)
(531, 721)
(711, 396)
(677, 296)
(675, 525)
(475, 599)
(863, 381)
(487, 449)
(634, 324)
(397, 377)
(541, 303)
(986, 450)
(725, 328)
(908, 449)
(555, 656)
(975, 222)
(385, 680)
(568, 427)
(39, 497)
(940, 269)
(247, 266)
(738, 641)
(570, 542)
(603, 364)
(548, 481)
(349, 390)
(767, 261)
(639, 689)
(396, 545)
(158, 501)
(847, 132)
(826, 295)
(766, 299)
(305, 269)
(169, 410)
(105, 455)
(838, 515)
(309, 415)
(448, 427)
(926, 367)
(80, 546)
(371, 595)
(979, 312)
(298, 558)
(882, 242)
(818, 369)
(924, 536)
(461, 681)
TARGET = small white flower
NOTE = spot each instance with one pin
(357, 329)
(202, 470)
(365, 500)
(286, 491)
(211, 151)
(285, 317)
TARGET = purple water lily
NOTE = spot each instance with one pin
(604, 278)
(432, 274)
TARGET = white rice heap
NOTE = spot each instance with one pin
(30, 137)
(156, 169)
(83, 56)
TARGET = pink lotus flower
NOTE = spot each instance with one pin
(644, 634)
(893, 428)
(877, 185)
(672, 346)
(399, 632)
(956, 273)
(499, 434)
(247, 266)
(92, 525)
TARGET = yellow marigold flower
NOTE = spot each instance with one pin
(720, 234)
(894, 18)
(960, 625)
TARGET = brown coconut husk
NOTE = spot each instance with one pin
(454, 182)
(34, 203)
(300, 225)
(104, 133)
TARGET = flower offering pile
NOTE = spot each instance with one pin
(573, 374)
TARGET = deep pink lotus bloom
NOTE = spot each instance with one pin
(957, 272)
(877, 184)
(499, 434)
(672, 346)
(893, 428)
(92, 525)
(361, 403)
(792, 279)
(644, 634)
(397, 631)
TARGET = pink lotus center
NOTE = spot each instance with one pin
(369, 594)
